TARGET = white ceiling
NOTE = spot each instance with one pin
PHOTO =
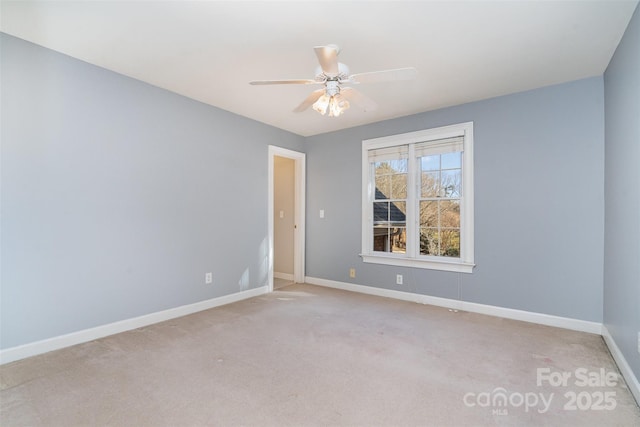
(209, 51)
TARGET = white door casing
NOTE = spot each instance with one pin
(299, 214)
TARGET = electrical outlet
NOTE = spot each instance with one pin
(398, 279)
(352, 273)
(638, 342)
(208, 278)
(321, 213)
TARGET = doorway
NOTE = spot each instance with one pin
(286, 216)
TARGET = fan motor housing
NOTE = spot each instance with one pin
(332, 87)
(343, 73)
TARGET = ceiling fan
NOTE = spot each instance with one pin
(334, 97)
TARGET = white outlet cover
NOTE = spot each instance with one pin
(321, 213)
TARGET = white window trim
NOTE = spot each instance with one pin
(465, 263)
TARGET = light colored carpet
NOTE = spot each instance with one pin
(307, 355)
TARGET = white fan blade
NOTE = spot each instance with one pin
(358, 98)
(328, 59)
(313, 97)
(284, 82)
(384, 76)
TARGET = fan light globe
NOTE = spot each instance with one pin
(337, 105)
(321, 104)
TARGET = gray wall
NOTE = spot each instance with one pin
(622, 195)
(539, 203)
(118, 196)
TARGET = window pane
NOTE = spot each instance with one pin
(450, 183)
(399, 240)
(383, 187)
(381, 212)
(430, 163)
(394, 212)
(430, 182)
(450, 243)
(429, 241)
(391, 166)
(429, 213)
(450, 213)
(392, 239)
(398, 213)
(399, 186)
(399, 165)
(390, 209)
(381, 239)
(452, 160)
(382, 168)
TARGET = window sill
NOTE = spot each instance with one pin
(456, 266)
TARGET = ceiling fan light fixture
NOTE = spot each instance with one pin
(337, 105)
(321, 104)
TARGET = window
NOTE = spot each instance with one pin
(417, 199)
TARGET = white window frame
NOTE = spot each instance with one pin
(413, 258)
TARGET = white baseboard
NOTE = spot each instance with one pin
(625, 369)
(284, 276)
(508, 313)
(86, 335)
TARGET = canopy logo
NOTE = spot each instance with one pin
(499, 399)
